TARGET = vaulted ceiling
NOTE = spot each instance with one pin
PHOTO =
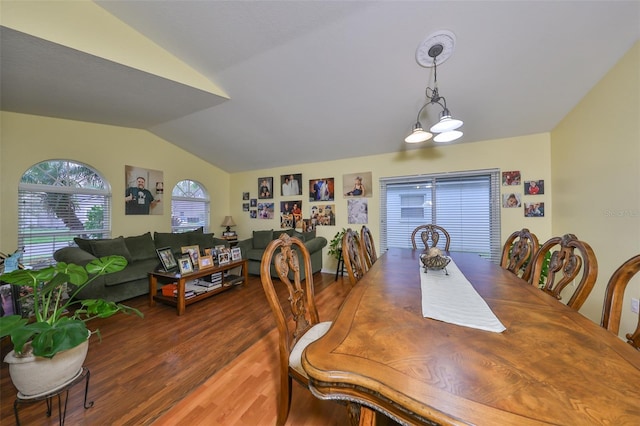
(307, 81)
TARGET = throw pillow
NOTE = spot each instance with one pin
(141, 247)
(85, 244)
(114, 246)
(261, 239)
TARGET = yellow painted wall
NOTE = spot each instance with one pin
(26, 140)
(595, 164)
(528, 154)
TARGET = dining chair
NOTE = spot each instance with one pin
(612, 310)
(430, 233)
(368, 246)
(285, 255)
(353, 256)
(570, 259)
(517, 251)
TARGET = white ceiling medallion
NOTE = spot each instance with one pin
(444, 40)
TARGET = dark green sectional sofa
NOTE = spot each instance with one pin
(253, 248)
(140, 252)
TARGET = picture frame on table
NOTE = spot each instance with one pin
(205, 262)
(193, 252)
(223, 258)
(167, 259)
(236, 254)
(185, 265)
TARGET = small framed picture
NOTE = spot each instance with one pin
(193, 252)
(185, 265)
(245, 195)
(534, 187)
(223, 258)
(205, 262)
(236, 254)
(166, 258)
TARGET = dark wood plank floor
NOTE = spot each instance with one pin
(144, 367)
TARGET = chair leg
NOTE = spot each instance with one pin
(284, 400)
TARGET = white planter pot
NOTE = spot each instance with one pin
(34, 376)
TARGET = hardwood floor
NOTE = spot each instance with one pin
(214, 365)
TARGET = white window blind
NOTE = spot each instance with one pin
(466, 204)
(189, 207)
(57, 201)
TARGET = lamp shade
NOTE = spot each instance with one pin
(418, 135)
(449, 136)
(228, 221)
(446, 124)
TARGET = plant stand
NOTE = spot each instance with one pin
(340, 267)
(62, 411)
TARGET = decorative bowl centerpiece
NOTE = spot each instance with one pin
(434, 259)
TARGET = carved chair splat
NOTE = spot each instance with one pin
(353, 256)
(430, 233)
(517, 252)
(571, 260)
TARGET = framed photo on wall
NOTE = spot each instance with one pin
(144, 191)
(291, 184)
(357, 184)
(265, 187)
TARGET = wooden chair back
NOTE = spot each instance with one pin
(353, 255)
(517, 252)
(430, 235)
(281, 255)
(368, 246)
(612, 310)
(570, 259)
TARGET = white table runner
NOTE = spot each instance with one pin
(451, 298)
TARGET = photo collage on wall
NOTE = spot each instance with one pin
(356, 189)
(532, 206)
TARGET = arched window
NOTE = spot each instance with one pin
(189, 206)
(57, 201)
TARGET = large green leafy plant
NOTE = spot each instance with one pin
(59, 324)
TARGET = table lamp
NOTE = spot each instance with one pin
(228, 222)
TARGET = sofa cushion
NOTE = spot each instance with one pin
(261, 239)
(308, 236)
(174, 240)
(254, 254)
(114, 246)
(201, 240)
(133, 272)
(278, 232)
(141, 247)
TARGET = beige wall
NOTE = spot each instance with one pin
(26, 140)
(529, 154)
(595, 165)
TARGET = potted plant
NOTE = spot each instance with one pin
(58, 327)
(335, 245)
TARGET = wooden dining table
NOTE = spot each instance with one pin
(550, 366)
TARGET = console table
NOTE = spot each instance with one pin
(180, 301)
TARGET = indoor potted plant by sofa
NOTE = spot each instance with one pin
(54, 342)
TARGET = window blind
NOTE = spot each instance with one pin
(189, 207)
(49, 217)
(466, 204)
